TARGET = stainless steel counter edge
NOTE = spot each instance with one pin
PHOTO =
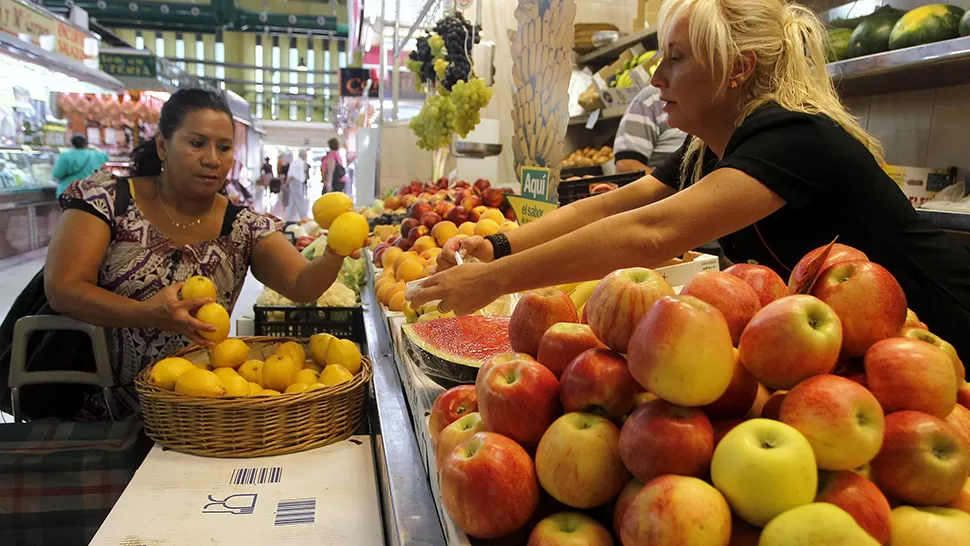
(407, 504)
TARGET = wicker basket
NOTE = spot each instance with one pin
(253, 426)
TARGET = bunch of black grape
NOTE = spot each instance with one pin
(459, 36)
(420, 61)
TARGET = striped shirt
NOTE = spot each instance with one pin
(644, 135)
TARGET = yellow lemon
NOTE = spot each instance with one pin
(252, 371)
(216, 315)
(335, 374)
(234, 383)
(166, 371)
(254, 388)
(223, 373)
(315, 386)
(347, 233)
(329, 206)
(198, 287)
(484, 228)
(199, 382)
(296, 388)
(293, 350)
(467, 229)
(311, 365)
(229, 353)
(268, 392)
(494, 215)
(279, 371)
(307, 376)
(203, 366)
(318, 347)
(345, 353)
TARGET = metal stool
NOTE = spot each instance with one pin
(19, 376)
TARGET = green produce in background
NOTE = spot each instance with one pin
(925, 25)
(872, 35)
(838, 44)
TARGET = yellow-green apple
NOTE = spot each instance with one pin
(930, 526)
(488, 486)
(815, 524)
(963, 395)
(959, 419)
(962, 500)
(536, 311)
(765, 282)
(933, 339)
(759, 402)
(499, 358)
(620, 301)
(860, 498)
(660, 438)
(764, 468)
(626, 497)
(598, 381)
(456, 433)
(721, 428)
(842, 421)
(450, 406)
(906, 374)
(578, 460)
(923, 459)
(791, 339)
(913, 321)
(739, 396)
(682, 351)
(867, 299)
(677, 510)
(839, 253)
(519, 399)
(563, 342)
(569, 529)
(737, 301)
(772, 408)
(644, 397)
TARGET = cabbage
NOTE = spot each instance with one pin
(377, 206)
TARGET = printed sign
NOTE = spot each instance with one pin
(535, 183)
(22, 19)
(122, 64)
(527, 210)
(354, 80)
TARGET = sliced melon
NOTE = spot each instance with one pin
(450, 350)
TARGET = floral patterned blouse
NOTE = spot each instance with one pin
(141, 261)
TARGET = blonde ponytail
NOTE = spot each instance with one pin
(788, 42)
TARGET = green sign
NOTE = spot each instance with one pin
(123, 64)
(535, 183)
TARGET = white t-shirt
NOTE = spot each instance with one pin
(297, 170)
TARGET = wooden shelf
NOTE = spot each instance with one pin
(609, 53)
(920, 67)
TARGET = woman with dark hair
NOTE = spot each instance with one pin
(77, 163)
(124, 246)
(334, 174)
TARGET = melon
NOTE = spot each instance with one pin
(838, 44)
(451, 350)
(925, 25)
(965, 24)
(872, 35)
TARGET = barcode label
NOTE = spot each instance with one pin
(295, 511)
(256, 476)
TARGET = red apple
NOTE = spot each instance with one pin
(416, 233)
(682, 351)
(739, 396)
(867, 299)
(392, 203)
(923, 459)
(765, 282)
(475, 214)
(418, 209)
(569, 529)
(676, 510)
(860, 498)
(493, 197)
(963, 395)
(599, 382)
(620, 300)
(791, 339)
(481, 185)
(840, 419)
(959, 419)
(660, 438)
(488, 486)
(721, 428)
(457, 215)
(535, 313)
(630, 491)
(443, 207)
(498, 359)
(600, 188)
(737, 301)
(404, 243)
(471, 201)
(962, 501)
(933, 339)
(456, 433)
(563, 342)
(578, 460)
(510, 214)
(408, 224)
(906, 374)
(450, 406)
(519, 399)
(772, 408)
(429, 219)
(839, 253)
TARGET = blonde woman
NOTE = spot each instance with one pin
(776, 167)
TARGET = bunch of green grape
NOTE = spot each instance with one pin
(468, 99)
(437, 45)
(435, 124)
(440, 65)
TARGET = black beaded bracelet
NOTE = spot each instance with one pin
(500, 245)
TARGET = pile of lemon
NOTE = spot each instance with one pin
(347, 230)
(230, 371)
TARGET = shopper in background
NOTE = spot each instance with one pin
(644, 140)
(77, 163)
(775, 167)
(334, 173)
(296, 176)
(262, 184)
(123, 247)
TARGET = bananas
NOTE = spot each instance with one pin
(580, 295)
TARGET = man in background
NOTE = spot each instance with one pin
(296, 176)
(77, 163)
(644, 140)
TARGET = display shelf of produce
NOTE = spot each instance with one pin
(952, 221)
(920, 67)
(609, 53)
(615, 112)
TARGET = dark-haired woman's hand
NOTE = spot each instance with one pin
(169, 313)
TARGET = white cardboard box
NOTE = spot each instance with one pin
(919, 184)
(680, 270)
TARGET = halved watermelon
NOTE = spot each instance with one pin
(925, 25)
(451, 350)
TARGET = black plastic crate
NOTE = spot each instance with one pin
(574, 190)
(343, 322)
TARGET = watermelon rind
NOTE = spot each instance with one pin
(872, 35)
(838, 44)
(925, 25)
(965, 24)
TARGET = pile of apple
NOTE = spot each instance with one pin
(733, 413)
